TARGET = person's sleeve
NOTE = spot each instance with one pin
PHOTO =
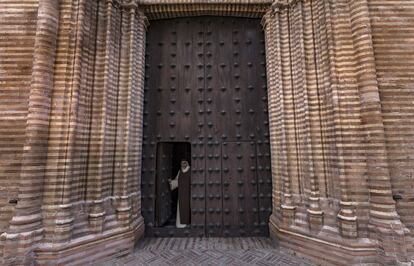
(174, 183)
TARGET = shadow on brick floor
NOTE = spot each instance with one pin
(207, 251)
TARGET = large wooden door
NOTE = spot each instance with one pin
(206, 85)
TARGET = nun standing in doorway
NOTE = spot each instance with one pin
(182, 183)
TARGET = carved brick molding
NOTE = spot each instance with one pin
(325, 111)
(78, 183)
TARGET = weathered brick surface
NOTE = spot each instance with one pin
(17, 36)
(392, 33)
(331, 144)
(67, 116)
(340, 84)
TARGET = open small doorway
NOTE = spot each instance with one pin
(169, 158)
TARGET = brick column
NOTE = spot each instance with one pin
(57, 205)
(122, 199)
(343, 84)
(26, 228)
(96, 169)
(384, 223)
(290, 174)
(126, 169)
(315, 214)
(281, 117)
(136, 90)
(273, 74)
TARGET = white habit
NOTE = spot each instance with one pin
(174, 185)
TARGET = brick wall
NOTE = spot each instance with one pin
(17, 36)
(340, 128)
(95, 129)
(65, 155)
(340, 79)
(393, 32)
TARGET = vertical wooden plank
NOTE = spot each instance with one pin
(162, 191)
(241, 214)
(196, 133)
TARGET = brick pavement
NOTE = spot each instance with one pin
(207, 251)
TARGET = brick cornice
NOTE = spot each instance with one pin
(160, 9)
(163, 11)
(198, 2)
(129, 4)
(278, 5)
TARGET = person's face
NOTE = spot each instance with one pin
(184, 164)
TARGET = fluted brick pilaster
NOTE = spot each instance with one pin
(291, 176)
(25, 228)
(273, 70)
(126, 157)
(96, 171)
(316, 171)
(137, 113)
(346, 125)
(120, 190)
(384, 223)
(378, 172)
(57, 202)
(340, 114)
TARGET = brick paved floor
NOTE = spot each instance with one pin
(207, 251)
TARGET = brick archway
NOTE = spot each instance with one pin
(79, 186)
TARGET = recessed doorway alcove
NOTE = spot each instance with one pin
(169, 157)
(79, 147)
(205, 84)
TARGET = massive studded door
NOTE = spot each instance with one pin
(205, 84)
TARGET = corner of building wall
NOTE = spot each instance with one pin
(322, 250)
(380, 237)
(93, 249)
(25, 230)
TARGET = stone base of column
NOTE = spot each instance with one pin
(323, 250)
(347, 221)
(392, 239)
(91, 250)
(58, 222)
(17, 248)
(22, 237)
(96, 217)
(123, 211)
(136, 205)
(315, 220)
(288, 214)
(348, 226)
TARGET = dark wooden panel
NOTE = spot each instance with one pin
(219, 60)
(241, 203)
(163, 192)
(198, 188)
(206, 84)
(174, 104)
(190, 82)
(154, 97)
(214, 204)
(264, 176)
(148, 182)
